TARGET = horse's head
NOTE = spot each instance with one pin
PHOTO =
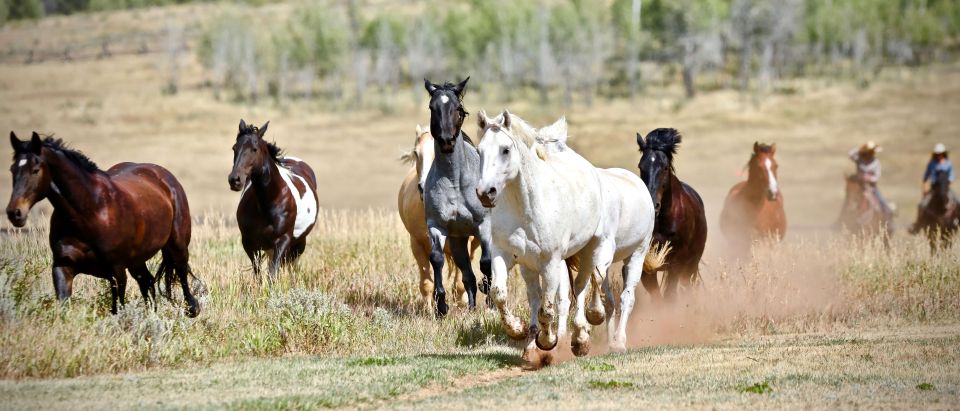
(763, 167)
(446, 112)
(249, 152)
(656, 162)
(499, 156)
(31, 178)
(422, 155)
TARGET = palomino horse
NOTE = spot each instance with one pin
(410, 207)
(941, 217)
(278, 206)
(449, 198)
(103, 223)
(681, 219)
(862, 212)
(754, 208)
(544, 211)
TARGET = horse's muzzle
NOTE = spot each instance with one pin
(17, 216)
(488, 198)
(236, 183)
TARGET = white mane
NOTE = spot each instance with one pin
(550, 139)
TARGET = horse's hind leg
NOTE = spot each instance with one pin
(178, 258)
(421, 253)
(145, 282)
(253, 253)
(650, 284)
(461, 256)
(118, 288)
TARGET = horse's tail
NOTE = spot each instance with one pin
(656, 257)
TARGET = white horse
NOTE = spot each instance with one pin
(629, 219)
(544, 211)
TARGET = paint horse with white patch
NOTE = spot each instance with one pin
(278, 203)
(754, 208)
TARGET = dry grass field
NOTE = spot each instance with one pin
(822, 320)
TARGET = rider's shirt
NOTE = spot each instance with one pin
(934, 166)
(870, 171)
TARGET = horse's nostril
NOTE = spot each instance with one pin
(492, 191)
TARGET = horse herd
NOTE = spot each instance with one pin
(521, 195)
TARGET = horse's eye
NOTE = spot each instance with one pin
(36, 170)
(506, 150)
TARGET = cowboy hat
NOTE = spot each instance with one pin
(870, 146)
(939, 148)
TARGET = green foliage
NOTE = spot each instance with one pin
(758, 388)
(610, 384)
(925, 386)
(601, 367)
(24, 9)
(373, 361)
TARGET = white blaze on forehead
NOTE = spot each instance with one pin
(22, 162)
(444, 99)
(773, 180)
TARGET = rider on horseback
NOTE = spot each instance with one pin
(939, 161)
(868, 171)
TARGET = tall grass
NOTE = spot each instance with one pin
(354, 292)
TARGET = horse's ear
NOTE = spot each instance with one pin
(462, 87)
(263, 129)
(429, 86)
(243, 125)
(35, 143)
(419, 130)
(482, 120)
(14, 141)
(756, 146)
(506, 118)
(773, 149)
(640, 141)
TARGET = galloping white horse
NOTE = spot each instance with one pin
(545, 206)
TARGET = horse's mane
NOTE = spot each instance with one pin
(765, 148)
(275, 152)
(448, 86)
(75, 156)
(666, 141)
(552, 138)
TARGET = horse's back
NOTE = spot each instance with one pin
(629, 197)
(302, 169)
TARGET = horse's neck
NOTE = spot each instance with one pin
(74, 190)
(673, 188)
(526, 194)
(266, 183)
(452, 164)
(755, 188)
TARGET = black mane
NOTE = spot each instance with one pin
(275, 152)
(73, 155)
(452, 88)
(664, 140)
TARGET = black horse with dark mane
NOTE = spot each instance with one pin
(680, 216)
(941, 216)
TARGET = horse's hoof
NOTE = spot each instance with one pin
(595, 317)
(617, 346)
(580, 349)
(193, 311)
(548, 345)
(485, 286)
(441, 310)
(515, 333)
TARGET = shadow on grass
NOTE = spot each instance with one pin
(501, 359)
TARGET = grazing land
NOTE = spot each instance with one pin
(821, 320)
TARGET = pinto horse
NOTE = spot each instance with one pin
(278, 204)
(413, 216)
(103, 223)
(941, 217)
(754, 208)
(861, 212)
(680, 216)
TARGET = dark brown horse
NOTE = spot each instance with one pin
(278, 206)
(862, 212)
(103, 223)
(941, 217)
(680, 216)
(754, 208)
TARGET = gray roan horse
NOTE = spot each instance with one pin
(452, 208)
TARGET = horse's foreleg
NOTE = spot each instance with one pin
(484, 240)
(118, 287)
(632, 276)
(144, 280)
(437, 241)
(461, 257)
(422, 255)
(500, 266)
(552, 275)
(581, 326)
(280, 249)
(63, 281)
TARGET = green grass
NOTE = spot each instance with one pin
(758, 388)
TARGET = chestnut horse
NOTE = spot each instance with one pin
(754, 208)
(278, 206)
(103, 223)
(410, 207)
(680, 216)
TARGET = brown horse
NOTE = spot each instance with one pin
(941, 216)
(410, 207)
(103, 223)
(754, 208)
(680, 216)
(862, 212)
(278, 206)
